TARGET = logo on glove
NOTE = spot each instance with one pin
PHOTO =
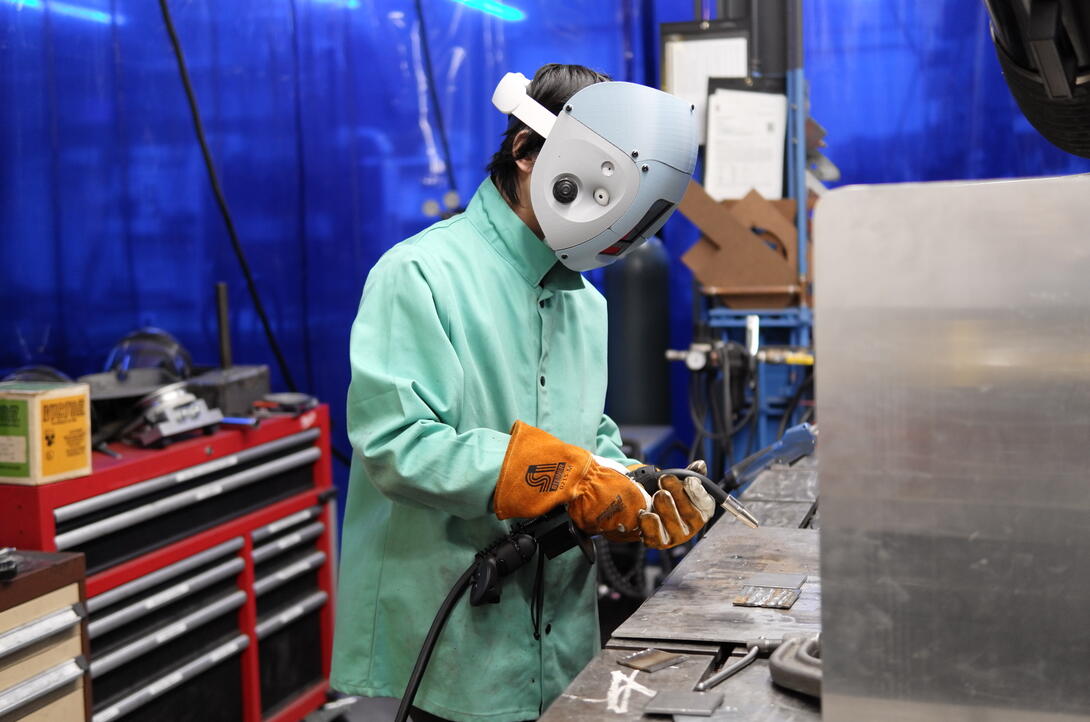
(545, 477)
(614, 506)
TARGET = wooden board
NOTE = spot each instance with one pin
(695, 601)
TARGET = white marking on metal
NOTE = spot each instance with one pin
(621, 689)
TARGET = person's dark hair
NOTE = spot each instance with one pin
(552, 86)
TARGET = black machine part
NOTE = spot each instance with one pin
(231, 389)
(1044, 51)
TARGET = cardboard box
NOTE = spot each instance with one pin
(45, 432)
(748, 253)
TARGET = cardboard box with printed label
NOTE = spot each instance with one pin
(45, 432)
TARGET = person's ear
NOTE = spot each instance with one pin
(524, 164)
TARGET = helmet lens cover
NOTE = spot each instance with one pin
(614, 165)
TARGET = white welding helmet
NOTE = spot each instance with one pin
(614, 166)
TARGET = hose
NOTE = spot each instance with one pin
(793, 402)
(613, 576)
(437, 625)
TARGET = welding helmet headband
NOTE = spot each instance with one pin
(614, 166)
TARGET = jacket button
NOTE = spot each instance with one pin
(542, 380)
(541, 303)
(548, 628)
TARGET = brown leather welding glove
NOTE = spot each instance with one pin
(679, 509)
(540, 472)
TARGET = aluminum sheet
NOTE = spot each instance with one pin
(954, 398)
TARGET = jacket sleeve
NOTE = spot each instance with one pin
(609, 442)
(406, 377)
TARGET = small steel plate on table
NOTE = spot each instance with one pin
(772, 591)
(767, 597)
(694, 703)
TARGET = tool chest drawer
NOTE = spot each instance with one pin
(136, 653)
(289, 649)
(120, 525)
(42, 643)
(286, 576)
(203, 688)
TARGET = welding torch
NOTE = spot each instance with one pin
(648, 476)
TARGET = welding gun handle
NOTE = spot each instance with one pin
(648, 478)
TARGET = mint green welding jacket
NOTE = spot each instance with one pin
(463, 329)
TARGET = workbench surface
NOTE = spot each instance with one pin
(692, 614)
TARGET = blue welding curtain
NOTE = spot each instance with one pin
(322, 129)
(325, 138)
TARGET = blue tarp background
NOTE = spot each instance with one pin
(322, 130)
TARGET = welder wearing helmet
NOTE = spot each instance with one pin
(478, 384)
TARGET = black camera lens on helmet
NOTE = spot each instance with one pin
(565, 190)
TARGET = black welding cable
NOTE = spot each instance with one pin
(428, 647)
(221, 200)
(425, 48)
(613, 576)
(751, 445)
(793, 402)
(699, 411)
(225, 212)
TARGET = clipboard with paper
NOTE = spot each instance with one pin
(746, 138)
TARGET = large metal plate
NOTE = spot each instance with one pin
(954, 394)
(695, 601)
(785, 483)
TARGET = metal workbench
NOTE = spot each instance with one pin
(692, 614)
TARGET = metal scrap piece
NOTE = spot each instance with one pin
(768, 597)
(782, 581)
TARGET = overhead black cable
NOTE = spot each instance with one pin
(225, 212)
(221, 200)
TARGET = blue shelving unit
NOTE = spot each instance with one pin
(784, 326)
(776, 382)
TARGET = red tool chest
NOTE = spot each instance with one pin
(209, 571)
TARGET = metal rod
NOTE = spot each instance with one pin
(728, 671)
(224, 325)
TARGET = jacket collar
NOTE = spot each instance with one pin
(509, 236)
